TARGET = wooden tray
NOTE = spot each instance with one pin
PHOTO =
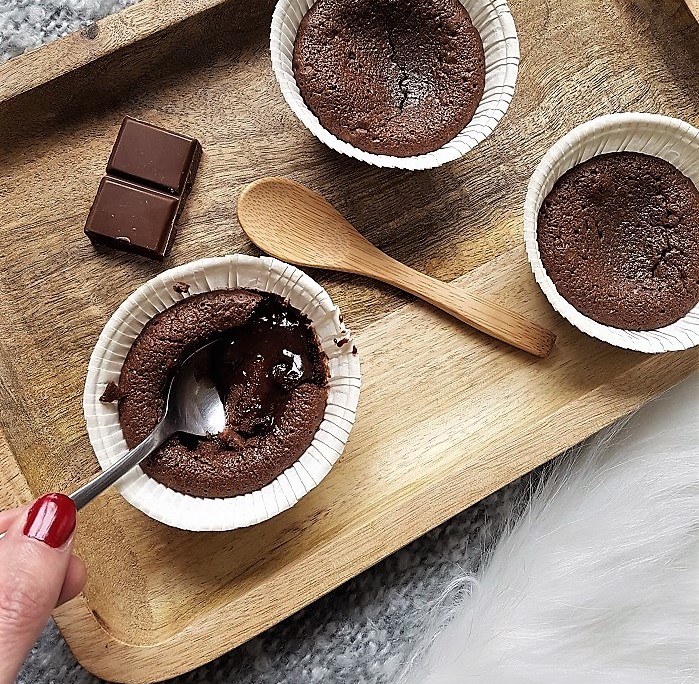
(446, 416)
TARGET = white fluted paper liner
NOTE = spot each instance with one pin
(670, 139)
(494, 23)
(199, 514)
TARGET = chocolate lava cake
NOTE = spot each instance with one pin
(619, 237)
(269, 369)
(390, 77)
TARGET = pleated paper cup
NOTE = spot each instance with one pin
(673, 140)
(494, 23)
(229, 272)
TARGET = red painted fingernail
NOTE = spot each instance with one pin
(51, 519)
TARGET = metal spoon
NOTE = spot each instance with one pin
(193, 405)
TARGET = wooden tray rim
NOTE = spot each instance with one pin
(114, 32)
(198, 642)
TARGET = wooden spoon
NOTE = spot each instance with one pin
(295, 224)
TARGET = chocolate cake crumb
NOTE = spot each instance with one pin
(111, 393)
(181, 287)
(231, 438)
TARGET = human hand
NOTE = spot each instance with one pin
(38, 572)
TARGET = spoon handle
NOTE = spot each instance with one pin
(483, 314)
(81, 497)
(130, 460)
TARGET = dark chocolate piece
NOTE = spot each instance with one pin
(146, 154)
(619, 237)
(270, 371)
(132, 218)
(399, 78)
(150, 174)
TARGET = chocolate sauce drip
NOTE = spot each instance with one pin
(256, 365)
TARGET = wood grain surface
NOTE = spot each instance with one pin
(447, 415)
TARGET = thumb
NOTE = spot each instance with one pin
(34, 558)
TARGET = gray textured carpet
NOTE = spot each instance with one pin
(363, 631)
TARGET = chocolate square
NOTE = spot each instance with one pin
(146, 154)
(132, 218)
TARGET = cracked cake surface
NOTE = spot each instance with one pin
(619, 237)
(271, 374)
(397, 77)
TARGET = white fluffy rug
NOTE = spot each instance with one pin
(598, 581)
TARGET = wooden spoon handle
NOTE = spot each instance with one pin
(481, 313)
